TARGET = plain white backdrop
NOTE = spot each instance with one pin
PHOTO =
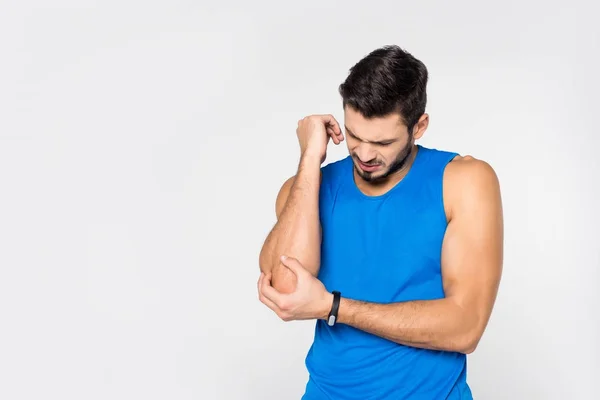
(142, 145)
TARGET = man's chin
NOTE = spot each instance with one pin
(371, 177)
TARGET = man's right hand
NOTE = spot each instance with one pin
(314, 132)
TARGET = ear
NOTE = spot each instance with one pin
(421, 126)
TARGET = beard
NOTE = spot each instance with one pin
(399, 162)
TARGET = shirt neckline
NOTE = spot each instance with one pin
(403, 182)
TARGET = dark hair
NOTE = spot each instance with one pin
(387, 80)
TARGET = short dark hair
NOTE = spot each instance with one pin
(387, 80)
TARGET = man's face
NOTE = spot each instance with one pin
(379, 146)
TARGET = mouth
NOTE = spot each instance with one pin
(368, 167)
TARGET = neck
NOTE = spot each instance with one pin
(381, 187)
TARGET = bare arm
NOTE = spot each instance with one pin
(471, 269)
(297, 232)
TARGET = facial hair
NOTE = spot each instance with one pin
(403, 157)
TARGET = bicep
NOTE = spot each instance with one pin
(472, 248)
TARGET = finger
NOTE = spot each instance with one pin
(270, 292)
(259, 283)
(330, 121)
(336, 135)
(273, 307)
(294, 265)
(333, 135)
(281, 308)
(263, 299)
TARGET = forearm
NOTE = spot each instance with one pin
(432, 324)
(297, 232)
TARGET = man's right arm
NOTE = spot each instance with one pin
(297, 232)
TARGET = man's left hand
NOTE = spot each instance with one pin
(310, 300)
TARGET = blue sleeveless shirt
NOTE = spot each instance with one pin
(382, 249)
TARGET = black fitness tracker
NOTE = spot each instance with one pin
(333, 314)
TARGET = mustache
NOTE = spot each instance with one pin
(371, 163)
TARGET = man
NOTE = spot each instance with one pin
(395, 250)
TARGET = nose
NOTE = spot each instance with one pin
(365, 152)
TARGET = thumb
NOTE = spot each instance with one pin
(294, 265)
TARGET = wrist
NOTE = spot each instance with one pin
(332, 317)
(326, 306)
(311, 158)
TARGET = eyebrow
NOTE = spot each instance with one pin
(377, 142)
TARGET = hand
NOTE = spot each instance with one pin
(314, 133)
(310, 300)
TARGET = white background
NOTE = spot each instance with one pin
(142, 145)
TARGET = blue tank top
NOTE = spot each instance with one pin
(382, 249)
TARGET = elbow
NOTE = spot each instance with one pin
(469, 333)
(284, 286)
(469, 342)
(266, 260)
(263, 262)
(282, 278)
(469, 348)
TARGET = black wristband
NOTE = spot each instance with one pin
(333, 314)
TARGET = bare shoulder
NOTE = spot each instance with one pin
(469, 184)
(464, 169)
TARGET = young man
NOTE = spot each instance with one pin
(395, 250)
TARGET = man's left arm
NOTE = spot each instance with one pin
(472, 256)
